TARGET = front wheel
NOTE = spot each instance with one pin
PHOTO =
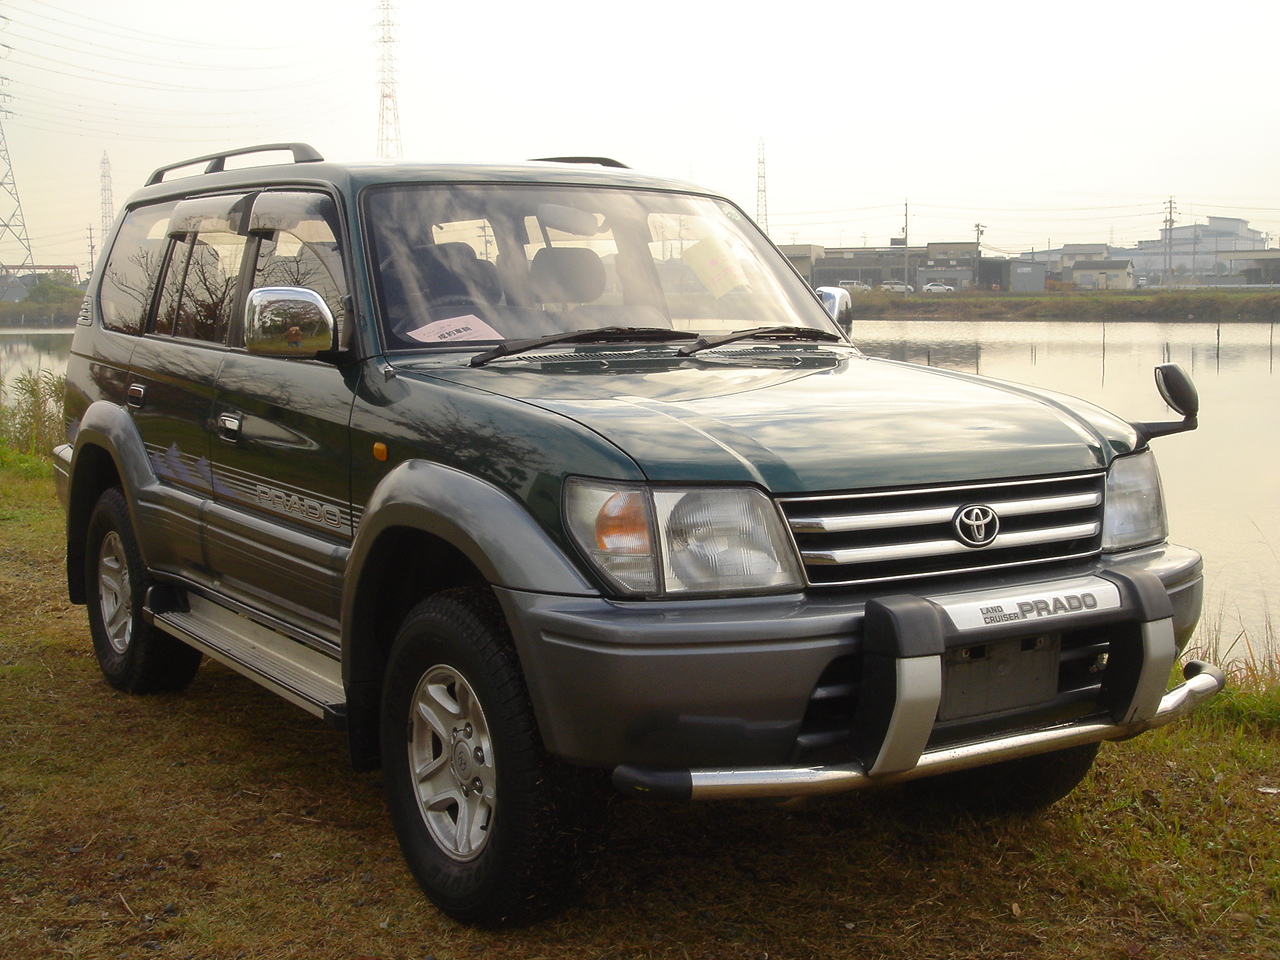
(133, 654)
(492, 828)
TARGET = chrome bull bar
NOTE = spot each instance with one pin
(1201, 682)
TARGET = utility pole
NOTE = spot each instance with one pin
(978, 229)
(906, 249)
(388, 112)
(92, 250)
(1195, 244)
(1168, 245)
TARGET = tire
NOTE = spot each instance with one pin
(1012, 786)
(494, 830)
(134, 656)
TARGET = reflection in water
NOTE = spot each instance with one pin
(22, 352)
(1221, 481)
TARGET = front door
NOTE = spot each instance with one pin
(279, 529)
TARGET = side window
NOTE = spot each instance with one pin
(129, 275)
(171, 292)
(199, 294)
(299, 245)
(200, 287)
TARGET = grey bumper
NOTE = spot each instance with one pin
(664, 690)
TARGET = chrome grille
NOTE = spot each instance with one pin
(908, 534)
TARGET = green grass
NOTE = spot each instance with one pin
(224, 823)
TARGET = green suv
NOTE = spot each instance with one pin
(533, 477)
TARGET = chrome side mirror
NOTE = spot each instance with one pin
(288, 322)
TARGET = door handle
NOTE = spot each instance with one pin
(229, 427)
(136, 396)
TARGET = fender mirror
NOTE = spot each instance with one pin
(1177, 389)
(1179, 393)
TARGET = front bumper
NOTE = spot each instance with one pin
(1202, 682)
(726, 691)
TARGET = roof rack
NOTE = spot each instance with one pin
(599, 161)
(302, 153)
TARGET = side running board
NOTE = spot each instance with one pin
(301, 675)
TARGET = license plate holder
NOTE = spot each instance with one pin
(988, 678)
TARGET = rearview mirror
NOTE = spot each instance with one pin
(571, 220)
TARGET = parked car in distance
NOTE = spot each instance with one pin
(855, 286)
(937, 287)
(897, 286)
(838, 303)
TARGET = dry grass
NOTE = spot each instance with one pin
(223, 823)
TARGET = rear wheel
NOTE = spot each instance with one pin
(492, 828)
(1012, 786)
(134, 655)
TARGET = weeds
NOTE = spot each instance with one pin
(31, 413)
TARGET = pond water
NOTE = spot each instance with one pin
(1222, 481)
(32, 351)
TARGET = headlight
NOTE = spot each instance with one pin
(1134, 511)
(670, 541)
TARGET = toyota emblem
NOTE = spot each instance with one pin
(976, 525)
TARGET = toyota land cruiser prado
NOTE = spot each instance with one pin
(530, 476)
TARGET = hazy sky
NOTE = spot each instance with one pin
(1045, 122)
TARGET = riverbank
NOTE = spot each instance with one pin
(224, 822)
(1198, 306)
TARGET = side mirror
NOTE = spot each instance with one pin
(1179, 393)
(288, 322)
(1177, 389)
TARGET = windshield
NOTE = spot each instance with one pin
(469, 264)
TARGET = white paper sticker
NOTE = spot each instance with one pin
(466, 327)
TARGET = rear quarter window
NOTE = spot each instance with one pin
(129, 275)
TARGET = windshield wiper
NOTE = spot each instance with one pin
(782, 333)
(597, 335)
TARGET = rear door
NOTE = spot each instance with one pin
(280, 529)
(172, 372)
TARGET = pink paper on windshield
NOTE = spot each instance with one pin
(467, 327)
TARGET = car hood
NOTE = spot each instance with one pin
(820, 419)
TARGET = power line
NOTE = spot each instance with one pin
(111, 28)
(95, 50)
(124, 81)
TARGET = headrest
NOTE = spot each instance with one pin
(566, 275)
(454, 270)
